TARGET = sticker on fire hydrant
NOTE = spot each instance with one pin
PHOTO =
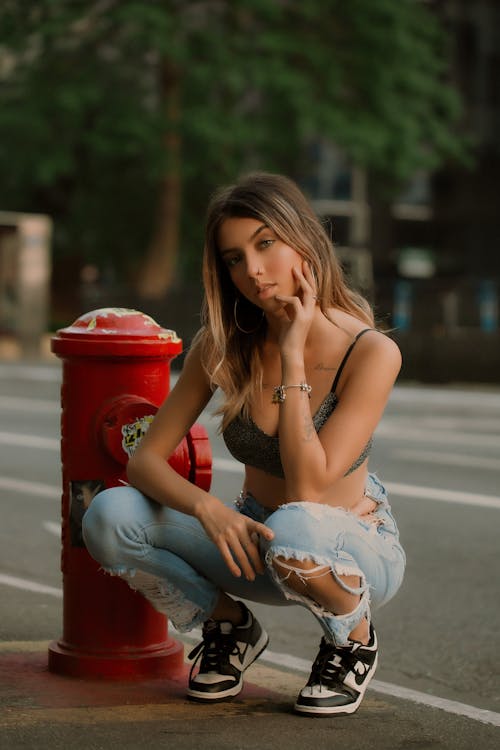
(134, 432)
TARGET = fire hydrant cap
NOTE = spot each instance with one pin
(116, 331)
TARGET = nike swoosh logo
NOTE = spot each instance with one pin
(360, 672)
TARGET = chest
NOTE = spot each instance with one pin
(319, 374)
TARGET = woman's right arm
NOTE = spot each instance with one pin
(149, 471)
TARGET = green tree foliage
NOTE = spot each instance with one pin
(108, 107)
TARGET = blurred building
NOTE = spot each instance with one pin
(430, 260)
(25, 267)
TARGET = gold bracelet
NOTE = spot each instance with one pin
(279, 391)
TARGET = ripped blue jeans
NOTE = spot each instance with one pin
(167, 556)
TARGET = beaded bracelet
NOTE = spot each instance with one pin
(279, 391)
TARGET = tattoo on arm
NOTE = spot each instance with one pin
(308, 432)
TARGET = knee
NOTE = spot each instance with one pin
(102, 522)
(303, 527)
(307, 552)
(286, 524)
(101, 513)
(293, 552)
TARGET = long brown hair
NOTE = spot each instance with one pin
(232, 358)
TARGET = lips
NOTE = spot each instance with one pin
(265, 290)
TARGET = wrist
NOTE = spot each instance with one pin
(292, 371)
(280, 391)
(205, 506)
(201, 506)
(292, 358)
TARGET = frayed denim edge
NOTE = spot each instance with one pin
(164, 597)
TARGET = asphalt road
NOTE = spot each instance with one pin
(437, 451)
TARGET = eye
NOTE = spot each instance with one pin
(265, 243)
(231, 261)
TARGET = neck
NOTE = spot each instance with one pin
(319, 326)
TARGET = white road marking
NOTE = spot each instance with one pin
(30, 488)
(25, 585)
(397, 430)
(431, 422)
(475, 713)
(30, 441)
(52, 528)
(448, 459)
(227, 464)
(447, 496)
(39, 373)
(31, 405)
(446, 396)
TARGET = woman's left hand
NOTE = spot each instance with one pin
(299, 310)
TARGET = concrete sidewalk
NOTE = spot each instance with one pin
(39, 709)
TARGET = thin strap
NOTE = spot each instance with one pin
(346, 356)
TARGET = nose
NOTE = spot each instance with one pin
(253, 266)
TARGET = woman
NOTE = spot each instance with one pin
(304, 377)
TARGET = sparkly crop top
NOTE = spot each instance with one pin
(252, 446)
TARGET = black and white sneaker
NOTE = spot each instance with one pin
(339, 678)
(223, 655)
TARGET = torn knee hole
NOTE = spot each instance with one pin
(302, 568)
(305, 576)
(299, 574)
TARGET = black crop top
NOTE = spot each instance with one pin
(252, 446)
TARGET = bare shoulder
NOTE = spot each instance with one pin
(377, 350)
(372, 342)
(380, 342)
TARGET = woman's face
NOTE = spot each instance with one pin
(259, 262)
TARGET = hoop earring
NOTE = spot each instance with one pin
(243, 330)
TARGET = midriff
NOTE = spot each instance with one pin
(348, 492)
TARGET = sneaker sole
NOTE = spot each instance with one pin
(206, 697)
(350, 708)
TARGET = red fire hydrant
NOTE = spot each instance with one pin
(116, 373)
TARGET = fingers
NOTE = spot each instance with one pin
(261, 529)
(303, 301)
(237, 538)
(242, 554)
(242, 557)
(247, 550)
(228, 559)
(290, 302)
(308, 277)
(248, 555)
(307, 271)
(306, 285)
